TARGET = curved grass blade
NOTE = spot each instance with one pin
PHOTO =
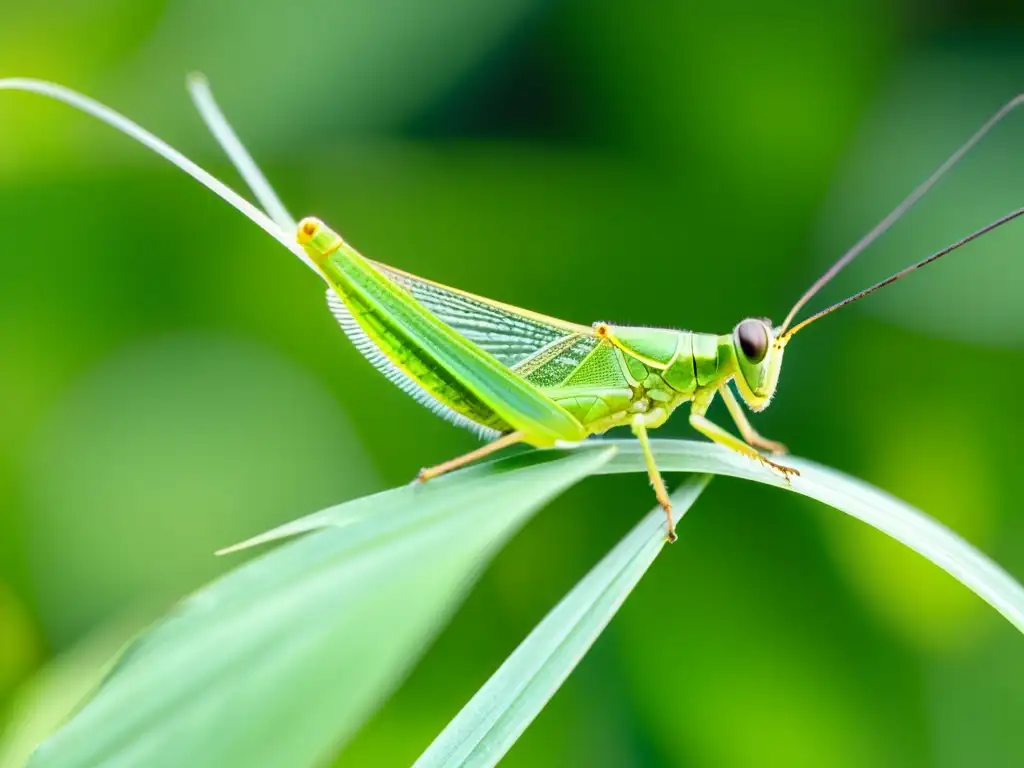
(485, 729)
(501, 710)
(280, 661)
(428, 498)
(888, 514)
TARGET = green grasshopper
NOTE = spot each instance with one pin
(515, 376)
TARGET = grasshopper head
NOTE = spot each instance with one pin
(317, 239)
(758, 360)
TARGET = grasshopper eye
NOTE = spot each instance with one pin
(308, 229)
(752, 339)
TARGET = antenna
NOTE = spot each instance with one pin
(784, 337)
(898, 211)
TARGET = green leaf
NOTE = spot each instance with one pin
(281, 660)
(502, 709)
(53, 694)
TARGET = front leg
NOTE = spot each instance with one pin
(710, 429)
(750, 435)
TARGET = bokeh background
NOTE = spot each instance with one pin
(170, 382)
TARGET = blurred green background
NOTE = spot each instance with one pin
(170, 382)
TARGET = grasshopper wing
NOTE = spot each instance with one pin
(451, 350)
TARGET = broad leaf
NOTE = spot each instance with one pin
(281, 660)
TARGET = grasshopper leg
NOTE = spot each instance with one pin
(460, 461)
(722, 437)
(639, 425)
(750, 435)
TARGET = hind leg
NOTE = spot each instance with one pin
(460, 461)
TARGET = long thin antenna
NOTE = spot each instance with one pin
(784, 337)
(144, 137)
(213, 116)
(902, 208)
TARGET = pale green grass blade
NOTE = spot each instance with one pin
(427, 498)
(501, 710)
(280, 661)
(52, 695)
(854, 497)
(487, 727)
(896, 518)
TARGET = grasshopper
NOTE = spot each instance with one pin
(515, 376)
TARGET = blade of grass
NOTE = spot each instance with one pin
(856, 498)
(491, 722)
(427, 498)
(278, 662)
(44, 702)
(893, 517)
(504, 707)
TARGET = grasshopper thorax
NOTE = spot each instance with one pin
(758, 360)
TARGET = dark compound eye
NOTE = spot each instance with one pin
(753, 340)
